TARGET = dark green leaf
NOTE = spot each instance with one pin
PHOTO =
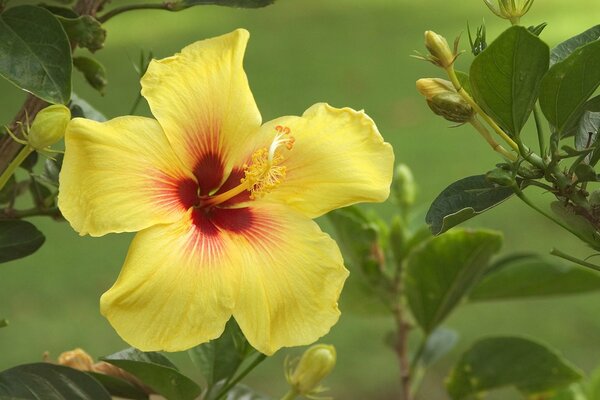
(533, 276)
(537, 29)
(85, 31)
(119, 388)
(465, 81)
(564, 49)
(585, 173)
(568, 85)
(439, 343)
(18, 239)
(462, 200)
(35, 53)
(7, 193)
(157, 372)
(49, 382)
(93, 71)
(585, 230)
(506, 77)
(220, 358)
(51, 170)
(81, 108)
(228, 3)
(238, 392)
(441, 272)
(509, 361)
(61, 11)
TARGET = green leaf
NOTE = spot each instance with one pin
(18, 239)
(51, 171)
(35, 53)
(228, 3)
(49, 382)
(587, 130)
(568, 85)
(157, 372)
(463, 200)
(238, 392)
(85, 31)
(530, 275)
(119, 388)
(585, 230)
(564, 49)
(81, 108)
(509, 361)
(220, 358)
(93, 71)
(506, 77)
(441, 272)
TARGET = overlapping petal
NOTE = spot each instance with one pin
(203, 102)
(176, 289)
(291, 276)
(339, 158)
(120, 176)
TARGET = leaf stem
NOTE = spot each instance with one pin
(259, 358)
(488, 138)
(558, 253)
(540, 132)
(21, 156)
(167, 5)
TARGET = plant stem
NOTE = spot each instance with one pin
(291, 395)
(12, 166)
(488, 138)
(558, 253)
(167, 5)
(52, 212)
(540, 132)
(259, 358)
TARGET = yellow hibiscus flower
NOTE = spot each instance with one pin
(223, 204)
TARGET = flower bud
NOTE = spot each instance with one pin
(77, 359)
(430, 87)
(404, 186)
(452, 107)
(314, 365)
(439, 49)
(48, 126)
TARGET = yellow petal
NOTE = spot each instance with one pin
(291, 277)
(203, 102)
(176, 289)
(120, 176)
(338, 159)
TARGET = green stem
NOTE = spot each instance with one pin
(31, 212)
(259, 358)
(21, 156)
(558, 253)
(291, 395)
(167, 5)
(540, 132)
(488, 138)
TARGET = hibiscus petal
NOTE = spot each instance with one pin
(121, 176)
(338, 159)
(176, 288)
(202, 100)
(291, 278)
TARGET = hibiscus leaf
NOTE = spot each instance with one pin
(529, 275)
(506, 76)
(442, 271)
(35, 53)
(18, 239)
(463, 200)
(50, 382)
(120, 388)
(156, 372)
(498, 362)
(564, 49)
(220, 358)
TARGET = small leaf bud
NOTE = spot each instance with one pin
(439, 49)
(452, 107)
(48, 126)
(315, 364)
(405, 189)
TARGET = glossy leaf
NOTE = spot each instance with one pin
(463, 200)
(569, 84)
(49, 382)
(564, 49)
(220, 358)
(35, 53)
(18, 239)
(157, 372)
(506, 77)
(93, 71)
(498, 362)
(587, 130)
(119, 388)
(85, 31)
(51, 171)
(530, 275)
(441, 272)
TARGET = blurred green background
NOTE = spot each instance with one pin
(349, 53)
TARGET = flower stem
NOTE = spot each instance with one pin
(488, 138)
(21, 156)
(558, 253)
(259, 358)
(291, 395)
(540, 132)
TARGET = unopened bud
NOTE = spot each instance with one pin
(315, 364)
(430, 87)
(404, 186)
(48, 126)
(77, 359)
(452, 107)
(439, 49)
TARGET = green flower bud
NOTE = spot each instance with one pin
(439, 49)
(48, 126)
(430, 87)
(405, 189)
(452, 107)
(315, 364)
